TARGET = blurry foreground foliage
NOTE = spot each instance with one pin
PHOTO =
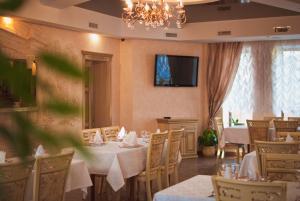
(25, 133)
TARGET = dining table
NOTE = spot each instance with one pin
(240, 135)
(200, 188)
(197, 188)
(78, 178)
(116, 162)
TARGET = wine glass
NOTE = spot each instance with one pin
(221, 169)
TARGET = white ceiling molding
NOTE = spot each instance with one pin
(79, 19)
(62, 3)
(286, 4)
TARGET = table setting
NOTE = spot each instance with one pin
(78, 175)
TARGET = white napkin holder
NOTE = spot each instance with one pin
(40, 151)
(122, 133)
(2, 156)
(289, 138)
(97, 138)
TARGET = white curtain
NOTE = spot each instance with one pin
(286, 79)
(240, 99)
(267, 82)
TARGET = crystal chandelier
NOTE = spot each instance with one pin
(156, 13)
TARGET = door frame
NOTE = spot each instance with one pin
(101, 57)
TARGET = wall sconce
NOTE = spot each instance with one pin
(8, 22)
(94, 38)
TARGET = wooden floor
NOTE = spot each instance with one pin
(188, 169)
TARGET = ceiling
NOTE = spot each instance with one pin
(216, 11)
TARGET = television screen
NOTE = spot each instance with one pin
(176, 71)
(26, 76)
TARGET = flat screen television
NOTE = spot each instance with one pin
(176, 71)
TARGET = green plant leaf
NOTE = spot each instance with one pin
(10, 5)
(62, 107)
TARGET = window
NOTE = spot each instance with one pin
(240, 100)
(286, 80)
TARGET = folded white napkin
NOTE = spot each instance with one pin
(2, 156)
(289, 138)
(130, 139)
(122, 133)
(40, 151)
(98, 138)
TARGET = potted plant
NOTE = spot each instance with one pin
(208, 140)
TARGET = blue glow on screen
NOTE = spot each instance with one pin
(163, 73)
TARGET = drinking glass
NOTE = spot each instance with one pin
(221, 169)
(235, 167)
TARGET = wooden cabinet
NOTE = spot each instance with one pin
(188, 146)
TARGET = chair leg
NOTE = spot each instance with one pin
(159, 181)
(137, 184)
(148, 190)
(176, 175)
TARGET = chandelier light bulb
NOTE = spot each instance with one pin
(147, 7)
(167, 7)
(159, 13)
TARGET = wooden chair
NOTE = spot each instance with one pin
(13, 179)
(50, 176)
(171, 161)
(282, 167)
(88, 134)
(110, 133)
(294, 119)
(263, 147)
(294, 135)
(258, 130)
(286, 126)
(153, 164)
(272, 119)
(229, 147)
(235, 190)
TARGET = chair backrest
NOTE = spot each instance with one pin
(50, 176)
(294, 135)
(272, 119)
(263, 147)
(294, 119)
(235, 190)
(110, 133)
(281, 167)
(218, 126)
(286, 126)
(88, 134)
(258, 130)
(13, 179)
(155, 151)
(173, 148)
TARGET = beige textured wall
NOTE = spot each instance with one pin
(136, 103)
(27, 39)
(143, 102)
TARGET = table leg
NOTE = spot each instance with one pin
(93, 187)
(132, 188)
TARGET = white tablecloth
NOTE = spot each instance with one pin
(249, 167)
(78, 178)
(240, 135)
(197, 188)
(117, 163)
